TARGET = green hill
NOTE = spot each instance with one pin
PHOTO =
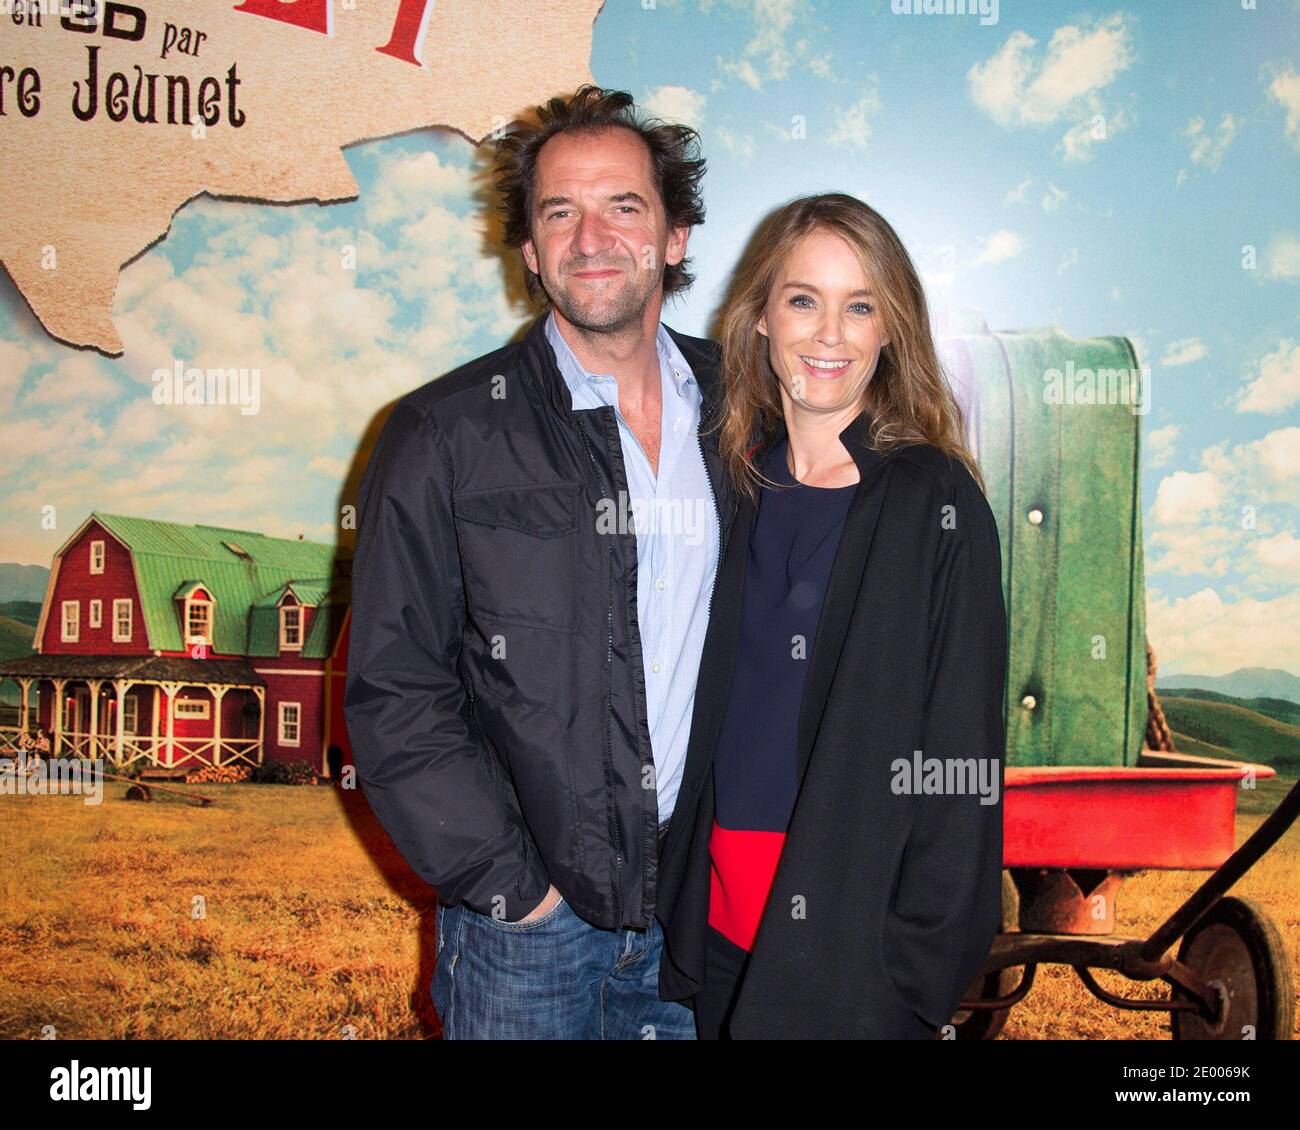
(15, 638)
(24, 611)
(1278, 709)
(1222, 727)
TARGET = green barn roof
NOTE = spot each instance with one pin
(246, 572)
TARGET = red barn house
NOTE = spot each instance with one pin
(183, 646)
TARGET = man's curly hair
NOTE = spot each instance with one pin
(674, 155)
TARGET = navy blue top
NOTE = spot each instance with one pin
(795, 536)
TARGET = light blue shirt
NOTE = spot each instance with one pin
(676, 525)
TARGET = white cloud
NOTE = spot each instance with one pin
(405, 184)
(1053, 198)
(1017, 194)
(741, 69)
(774, 22)
(1196, 549)
(14, 361)
(1209, 147)
(1261, 472)
(1285, 91)
(1282, 258)
(775, 46)
(852, 127)
(1279, 557)
(1017, 87)
(1278, 455)
(1184, 351)
(1233, 518)
(80, 376)
(1185, 496)
(740, 144)
(1158, 445)
(1277, 387)
(998, 247)
(678, 104)
(1209, 635)
(1081, 139)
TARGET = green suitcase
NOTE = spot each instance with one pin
(1062, 471)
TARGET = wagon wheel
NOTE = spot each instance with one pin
(139, 792)
(985, 1023)
(1237, 950)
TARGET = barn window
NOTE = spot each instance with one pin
(198, 621)
(290, 717)
(130, 714)
(96, 613)
(71, 621)
(122, 621)
(290, 626)
(192, 708)
(96, 556)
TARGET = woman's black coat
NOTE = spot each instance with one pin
(885, 903)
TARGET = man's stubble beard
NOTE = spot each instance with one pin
(624, 313)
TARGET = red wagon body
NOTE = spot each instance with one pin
(1120, 819)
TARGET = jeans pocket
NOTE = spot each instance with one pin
(524, 927)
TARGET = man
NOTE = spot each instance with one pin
(539, 532)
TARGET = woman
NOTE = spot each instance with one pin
(833, 867)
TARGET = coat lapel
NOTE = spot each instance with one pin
(842, 587)
(723, 635)
(719, 656)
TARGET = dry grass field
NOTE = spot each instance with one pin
(284, 912)
(278, 912)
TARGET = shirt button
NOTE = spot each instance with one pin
(655, 667)
(659, 584)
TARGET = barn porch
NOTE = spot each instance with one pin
(174, 710)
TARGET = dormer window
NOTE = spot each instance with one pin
(196, 612)
(198, 621)
(290, 627)
(96, 556)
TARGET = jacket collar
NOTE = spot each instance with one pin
(855, 436)
(542, 364)
(575, 373)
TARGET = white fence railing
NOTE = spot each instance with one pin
(142, 747)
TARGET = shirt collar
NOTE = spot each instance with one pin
(575, 374)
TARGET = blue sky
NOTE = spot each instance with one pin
(976, 141)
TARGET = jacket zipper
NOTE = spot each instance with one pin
(717, 518)
(615, 834)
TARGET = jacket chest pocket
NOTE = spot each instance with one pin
(519, 553)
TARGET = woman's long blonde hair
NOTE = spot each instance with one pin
(908, 397)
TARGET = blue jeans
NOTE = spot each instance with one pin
(554, 978)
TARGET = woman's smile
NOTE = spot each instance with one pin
(824, 368)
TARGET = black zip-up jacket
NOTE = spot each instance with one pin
(495, 695)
